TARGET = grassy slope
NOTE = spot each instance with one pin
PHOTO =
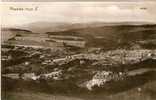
(147, 92)
(112, 36)
(108, 37)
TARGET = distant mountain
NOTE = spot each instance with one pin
(42, 27)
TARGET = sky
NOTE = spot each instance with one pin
(77, 12)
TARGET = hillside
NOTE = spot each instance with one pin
(112, 36)
(105, 37)
(42, 27)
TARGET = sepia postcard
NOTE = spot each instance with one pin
(78, 50)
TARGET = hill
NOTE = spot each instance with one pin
(112, 36)
(102, 35)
